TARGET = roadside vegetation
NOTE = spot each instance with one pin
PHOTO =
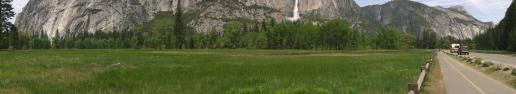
(209, 71)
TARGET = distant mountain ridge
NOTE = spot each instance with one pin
(414, 17)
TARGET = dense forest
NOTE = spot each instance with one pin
(501, 37)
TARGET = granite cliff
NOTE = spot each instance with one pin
(414, 17)
(73, 16)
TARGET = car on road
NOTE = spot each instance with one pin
(463, 50)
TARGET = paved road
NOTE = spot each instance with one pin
(461, 79)
(496, 58)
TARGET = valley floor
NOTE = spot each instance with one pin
(209, 71)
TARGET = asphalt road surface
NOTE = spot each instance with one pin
(506, 59)
(460, 78)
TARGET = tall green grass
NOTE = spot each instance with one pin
(209, 71)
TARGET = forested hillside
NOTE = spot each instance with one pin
(501, 37)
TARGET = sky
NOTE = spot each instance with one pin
(484, 10)
(18, 6)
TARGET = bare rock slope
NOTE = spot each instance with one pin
(414, 17)
(73, 16)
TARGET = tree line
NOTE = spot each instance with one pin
(332, 35)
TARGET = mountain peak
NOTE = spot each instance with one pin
(458, 8)
(414, 17)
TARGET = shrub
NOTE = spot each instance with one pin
(498, 67)
(464, 58)
(470, 60)
(506, 69)
(513, 72)
(478, 61)
(487, 64)
(152, 43)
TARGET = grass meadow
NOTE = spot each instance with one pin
(208, 71)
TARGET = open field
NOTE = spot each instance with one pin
(209, 71)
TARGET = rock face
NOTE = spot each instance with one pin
(324, 10)
(414, 17)
(72, 16)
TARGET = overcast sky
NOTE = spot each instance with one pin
(484, 10)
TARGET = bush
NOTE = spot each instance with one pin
(513, 72)
(470, 60)
(487, 64)
(478, 61)
(506, 68)
(464, 58)
(498, 67)
(152, 43)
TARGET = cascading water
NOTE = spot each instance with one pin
(295, 14)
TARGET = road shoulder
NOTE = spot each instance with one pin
(434, 84)
(495, 71)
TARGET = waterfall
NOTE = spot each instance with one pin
(295, 13)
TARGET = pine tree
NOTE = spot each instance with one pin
(512, 41)
(6, 27)
(179, 27)
(56, 41)
(13, 37)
